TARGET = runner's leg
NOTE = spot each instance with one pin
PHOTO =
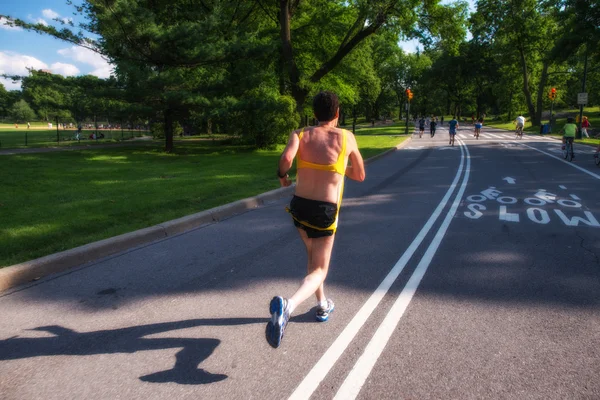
(318, 265)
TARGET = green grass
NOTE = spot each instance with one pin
(393, 129)
(52, 202)
(16, 138)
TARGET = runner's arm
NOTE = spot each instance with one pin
(355, 171)
(287, 159)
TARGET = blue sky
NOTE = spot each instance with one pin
(20, 49)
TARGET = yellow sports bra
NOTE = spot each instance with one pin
(339, 166)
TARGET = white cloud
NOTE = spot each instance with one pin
(9, 84)
(102, 68)
(4, 25)
(67, 20)
(48, 13)
(64, 69)
(41, 21)
(17, 64)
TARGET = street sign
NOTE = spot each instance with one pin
(582, 98)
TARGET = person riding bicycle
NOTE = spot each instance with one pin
(520, 122)
(568, 132)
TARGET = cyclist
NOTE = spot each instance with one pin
(421, 126)
(568, 132)
(478, 126)
(452, 127)
(520, 122)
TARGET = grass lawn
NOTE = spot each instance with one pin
(15, 138)
(51, 202)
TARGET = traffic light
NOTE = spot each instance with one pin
(552, 94)
(409, 94)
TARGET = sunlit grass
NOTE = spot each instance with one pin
(51, 202)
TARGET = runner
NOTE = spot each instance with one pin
(478, 126)
(432, 126)
(322, 153)
(442, 121)
(452, 127)
(421, 126)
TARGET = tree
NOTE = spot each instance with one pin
(21, 112)
(349, 24)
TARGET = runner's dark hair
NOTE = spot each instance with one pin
(325, 105)
(570, 120)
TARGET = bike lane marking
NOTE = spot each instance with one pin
(364, 365)
(316, 375)
(560, 159)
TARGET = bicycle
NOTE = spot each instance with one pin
(519, 132)
(568, 149)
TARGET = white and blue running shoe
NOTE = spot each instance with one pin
(322, 314)
(280, 315)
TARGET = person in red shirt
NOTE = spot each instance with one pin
(585, 124)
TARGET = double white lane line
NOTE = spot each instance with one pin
(361, 370)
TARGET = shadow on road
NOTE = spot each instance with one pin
(130, 340)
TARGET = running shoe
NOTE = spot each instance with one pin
(280, 315)
(322, 314)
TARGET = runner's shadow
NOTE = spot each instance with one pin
(130, 340)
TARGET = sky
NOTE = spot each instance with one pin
(21, 49)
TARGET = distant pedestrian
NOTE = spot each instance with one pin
(16, 126)
(585, 124)
(421, 126)
(432, 126)
(442, 120)
(28, 125)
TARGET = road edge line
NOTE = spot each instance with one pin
(560, 159)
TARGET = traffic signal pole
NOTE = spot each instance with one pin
(582, 91)
(407, 114)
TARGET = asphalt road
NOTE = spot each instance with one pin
(466, 272)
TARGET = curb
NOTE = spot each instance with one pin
(33, 270)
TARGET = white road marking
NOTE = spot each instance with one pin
(362, 369)
(314, 377)
(563, 187)
(574, 197)
(495, 136)
(506, 216)
(511, 181)
(566, 162)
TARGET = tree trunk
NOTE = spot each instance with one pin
(540, 94)
(526, 90)
(285, 20)
(353, 119)
(168, 130)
